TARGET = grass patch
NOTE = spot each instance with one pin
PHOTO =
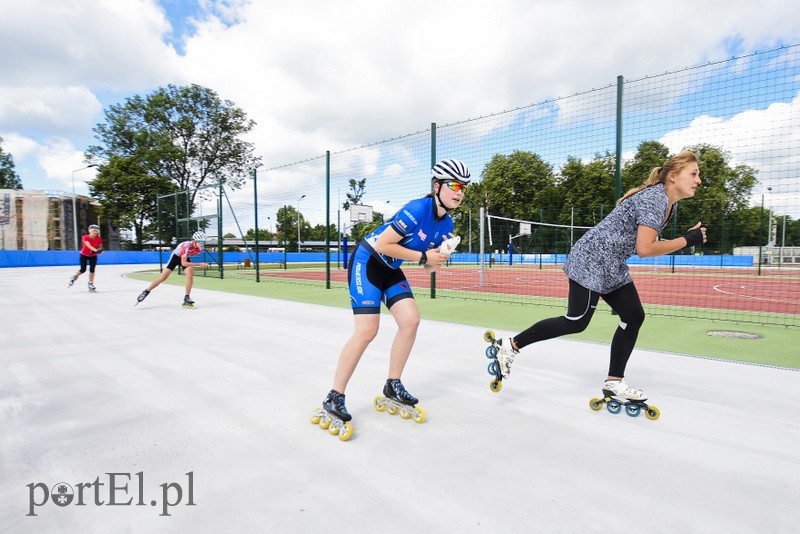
(777, 346)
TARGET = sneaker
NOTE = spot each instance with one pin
(334, 403)
(396, 391)
(91, 286)
(505, 356)
(619, 388)
(72, 281)
(142, 296)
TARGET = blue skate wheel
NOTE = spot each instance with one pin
(492, 369)
(632, 410)
(613, 406)
(491, 352)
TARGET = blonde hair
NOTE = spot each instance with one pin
(659, 174)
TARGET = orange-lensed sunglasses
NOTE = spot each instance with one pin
(456, 186)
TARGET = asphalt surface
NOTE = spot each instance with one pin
(115, 418)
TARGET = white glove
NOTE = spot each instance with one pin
(449, 245)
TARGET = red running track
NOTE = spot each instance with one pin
(774, 293)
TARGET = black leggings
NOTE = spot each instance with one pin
(580, 308)
(91, 260)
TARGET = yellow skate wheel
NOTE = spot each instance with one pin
(419, 414)
(346, 432)
(379, 404)
(595, 404)
(652, 413)
(393, 410)
(325, 423)
(488, 336)
(315, 417)
(333, 430)
(496, 386)
(405, 414)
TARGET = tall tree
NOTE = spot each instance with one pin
(356, 193)
(128, 196)
(588, 188)
(9, 179)
(185, 135)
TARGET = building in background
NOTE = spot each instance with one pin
(41, 220)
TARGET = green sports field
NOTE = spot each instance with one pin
(777, 346)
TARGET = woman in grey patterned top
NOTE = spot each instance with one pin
(596, 267)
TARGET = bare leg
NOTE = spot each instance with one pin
(406, 314)
(155, 283)
(189, 279)
(366, 328)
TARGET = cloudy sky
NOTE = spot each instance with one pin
(322, 75)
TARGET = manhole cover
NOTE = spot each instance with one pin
(733, 334)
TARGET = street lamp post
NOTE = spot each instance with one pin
(74, 211)
(298, 221)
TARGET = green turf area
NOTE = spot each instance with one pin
(778, 345)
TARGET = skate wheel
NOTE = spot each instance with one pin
(492, 368)
(652, 413)
(491, 352)
(488, 336)
(380, 403)
(595, 404)
(405, 414)
(346, 432)
(333, 430)
(325, 423)
(613, 406)
(315, 417)
(632, 410)
(419, 414)
(393, 410)
(496, 386)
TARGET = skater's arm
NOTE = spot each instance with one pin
(389, 244)
(187, 262)
(648, 245)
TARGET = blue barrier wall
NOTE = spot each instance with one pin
(42, 258)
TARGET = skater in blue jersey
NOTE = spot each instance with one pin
(420, 232)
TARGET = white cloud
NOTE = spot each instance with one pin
(48, 110)
(320, 76)
(766, 140)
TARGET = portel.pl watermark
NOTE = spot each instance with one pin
(116, 489)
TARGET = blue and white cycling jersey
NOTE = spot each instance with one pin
(418, 224)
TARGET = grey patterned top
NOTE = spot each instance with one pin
(597, 260)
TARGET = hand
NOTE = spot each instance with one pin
(98, 251)
(696, 235)
(436, 258)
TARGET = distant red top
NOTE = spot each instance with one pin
(96, 242)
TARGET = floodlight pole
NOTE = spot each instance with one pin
(74, 209)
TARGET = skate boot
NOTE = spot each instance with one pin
(91, 286)
(396, 399)
(72, 281)
(142, 296)
(188, 302)
(617, 395)
(502, 355)
(505, 356)
(618, 388)
(334, 416)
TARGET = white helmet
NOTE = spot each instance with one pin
(451, 169)
(199, 236)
